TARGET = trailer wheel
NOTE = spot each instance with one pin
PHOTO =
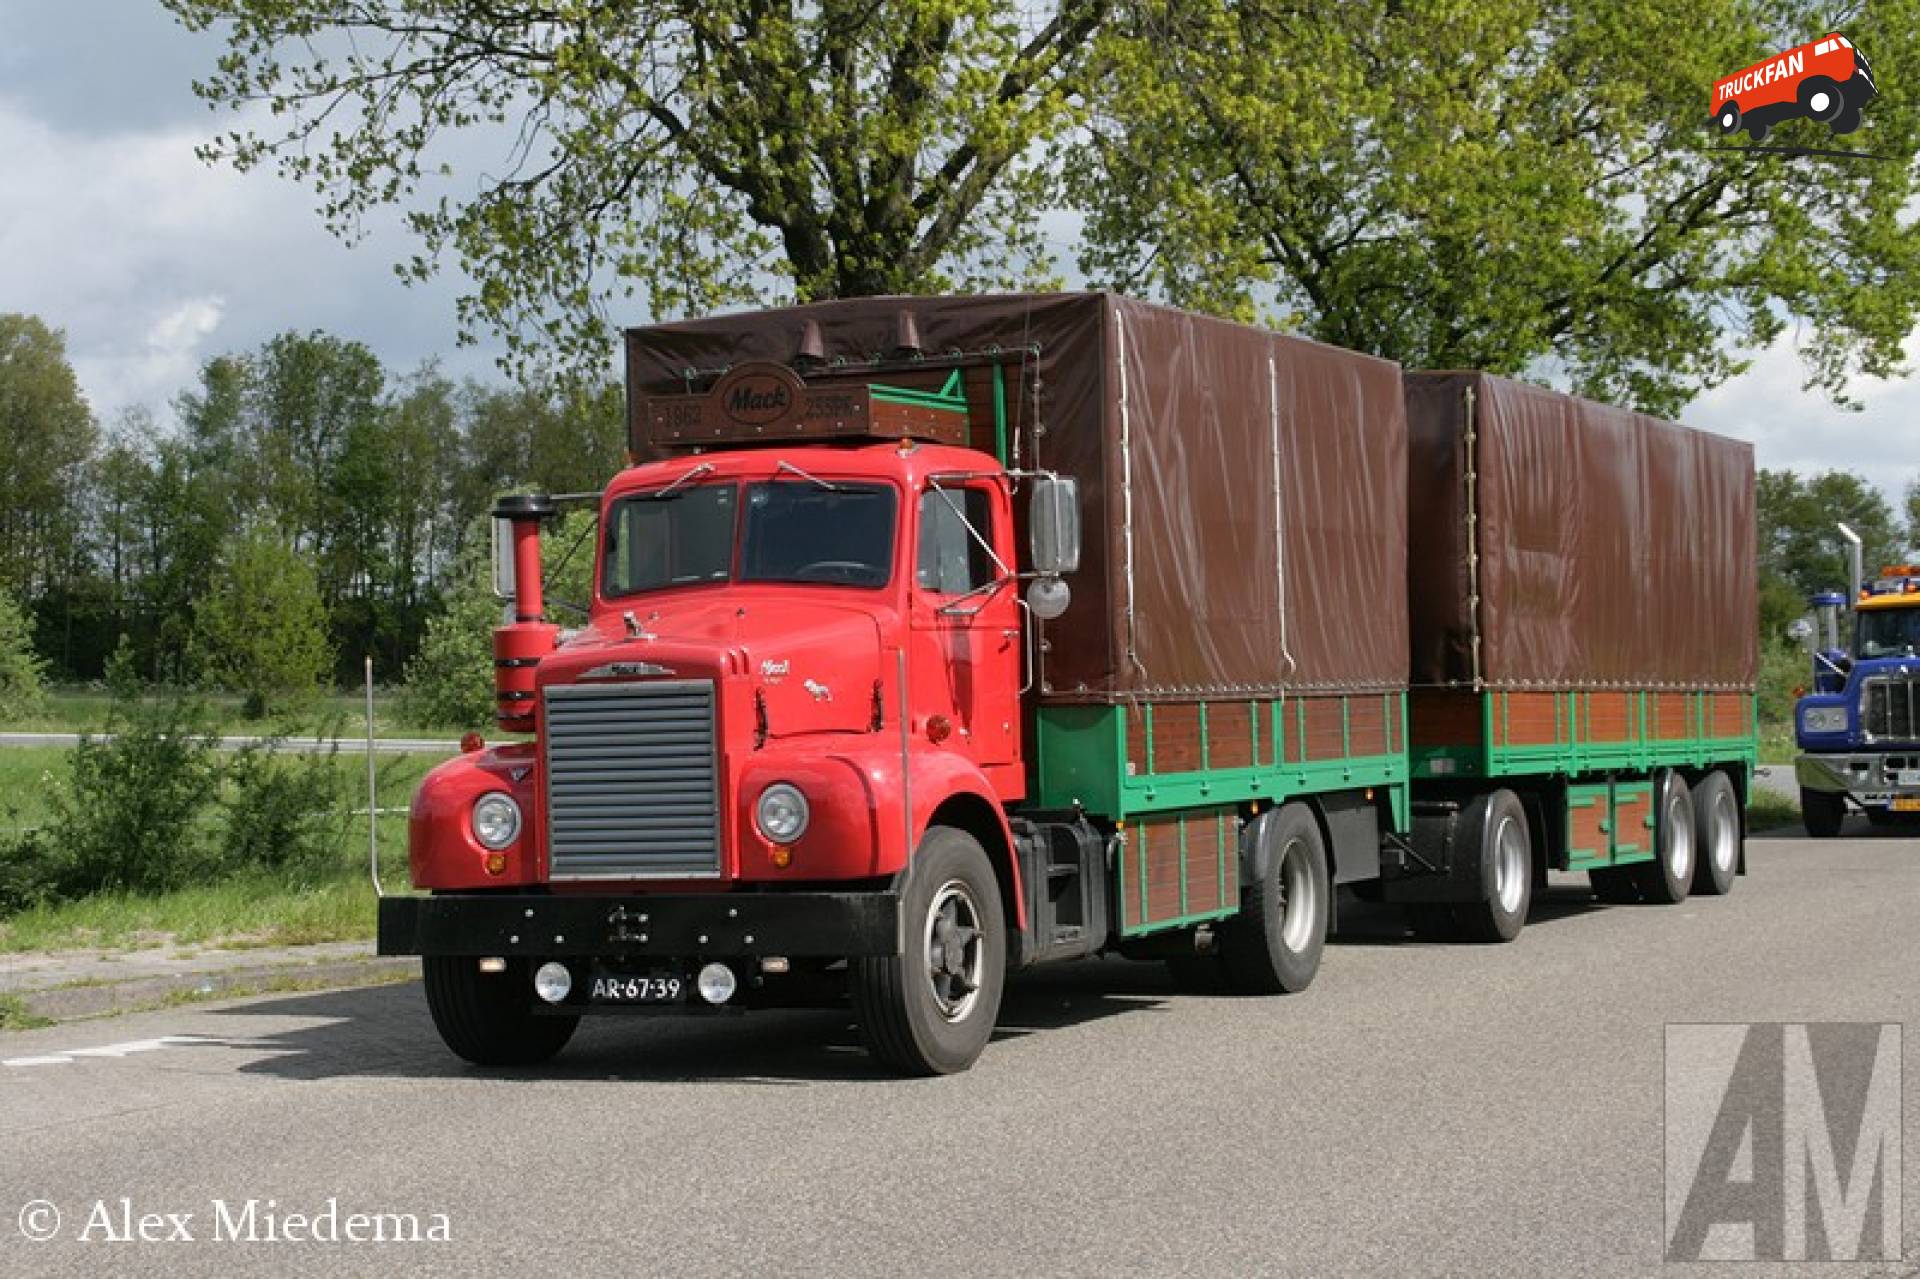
(1823, 812)
(1821, 98)
(1273, 945)
(1497, 825)
(1616, 885)
(931, 1010)
(488, 1018)
(1667, 879)
(1716, 835)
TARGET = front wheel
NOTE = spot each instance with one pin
(488, 1018)
(1272, 947)
(1823, 812)
(931, 1010)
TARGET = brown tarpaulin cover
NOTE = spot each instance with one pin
(1179, 428)
(1615, 549)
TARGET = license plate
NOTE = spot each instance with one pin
(638, 988)
(1906, 777)
(1907, 804)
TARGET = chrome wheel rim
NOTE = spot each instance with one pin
(1299, 902)
(1726, 828)
(1679, 838)
(1509, 864)
(954, 953)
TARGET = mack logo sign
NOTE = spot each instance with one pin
(759, 394)
(626, 670)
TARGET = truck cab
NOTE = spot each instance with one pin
(1858, 730)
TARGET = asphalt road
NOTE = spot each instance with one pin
(1423, 1109)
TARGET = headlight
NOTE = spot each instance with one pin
(496, 820)
(1824, 719)
(781, 813)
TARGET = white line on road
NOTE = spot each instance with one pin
(68, 1057)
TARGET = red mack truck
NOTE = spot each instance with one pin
(937, 638)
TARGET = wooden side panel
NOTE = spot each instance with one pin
(1176, 737)
(1194, 851)
(1445, 717)
(1527, 719)
(1367, 726)
(1325, 736)
(1230, 735)
(1209, 836)
(1632, 804)
(1670, 719)
(1609, 717)
(1136, 741)
(1587, 821)
(1729, 717)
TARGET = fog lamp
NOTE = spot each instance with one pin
(553, 982)
(717, 983)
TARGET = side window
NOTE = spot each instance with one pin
(952, 561)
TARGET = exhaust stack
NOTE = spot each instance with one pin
(519, 646)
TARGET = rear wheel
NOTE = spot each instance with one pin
(1821, 98)
(931, 1010)
(1716, 832)
(488, 1018)
(1823, 812)
(1668, 878)
(1273, 945)
(1497, 825)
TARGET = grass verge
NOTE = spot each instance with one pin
(84, 709)
(1767, 810)
(14, 1015)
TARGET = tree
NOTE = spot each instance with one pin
(1511, 185)
(694, 151)
(46, 436)
(1800, 549)
(21, 691)
(263, 627)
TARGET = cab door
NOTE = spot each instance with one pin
(966, 619)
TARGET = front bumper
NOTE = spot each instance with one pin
(1876, 778)
(666, 926)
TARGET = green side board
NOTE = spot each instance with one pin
(1575, 753)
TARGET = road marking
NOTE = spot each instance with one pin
(132, 1046)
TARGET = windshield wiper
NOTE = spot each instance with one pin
(812, 479)
(679, 483)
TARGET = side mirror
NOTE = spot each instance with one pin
(503, 579)
(1801, 631)
(1053, 525)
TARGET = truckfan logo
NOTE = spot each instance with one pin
(759, 394)
(1783, 1142)
(1828, 80)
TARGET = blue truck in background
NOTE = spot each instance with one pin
(1858, 729)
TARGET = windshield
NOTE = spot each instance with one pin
(793, 531)
(1892, 632)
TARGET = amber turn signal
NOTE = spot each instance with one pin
(939, 728)
(781, 857)
(472, 742)
(496, 863)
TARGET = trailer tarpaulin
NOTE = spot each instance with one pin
(1243, 492)
(1559, 543)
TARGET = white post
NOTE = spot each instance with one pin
(373, 794)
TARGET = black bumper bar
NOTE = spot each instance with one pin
(678, 926)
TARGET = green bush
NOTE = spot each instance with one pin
(21, 670)
(282, 812)
(262, 631)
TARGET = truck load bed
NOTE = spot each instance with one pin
(1243, 492)
(1561, 544)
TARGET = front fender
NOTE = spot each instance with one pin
(441, 850)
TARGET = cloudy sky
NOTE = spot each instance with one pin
(150, 261)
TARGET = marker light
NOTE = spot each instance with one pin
(496, 820)
(782, 813)
(554, 982)
(717, 983)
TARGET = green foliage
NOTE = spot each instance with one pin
(21, 670)
(263, 627)
(686, 151)
(450, 680)
(1504, 185)
(1801, 550)
(47, 434)
(283, 812)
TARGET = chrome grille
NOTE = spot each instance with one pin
(632, 781)
(1891, 710)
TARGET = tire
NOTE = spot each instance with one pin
(1717, 835)
(1497, 825)
(1728, 121)
(1846, 122)
(1821, 99)
(1824, 812)
(1616, 885)
(931, 1010)
(1758, 130)
(488, 1018)
(1668, 878)
(1272, 947)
